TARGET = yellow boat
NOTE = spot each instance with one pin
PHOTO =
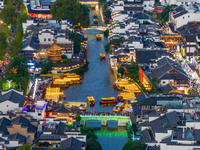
(119, 107)
(102, 56)
(109, 100)
(96, 21)
(90, 100)
(95, 15)
(98, 37)
(92, 7)
(127, 108)
(77, 105)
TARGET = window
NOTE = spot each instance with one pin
(49, 39)
(163, 82)
(7, 105)
(183, 17)
(45, 39)
(188, 16)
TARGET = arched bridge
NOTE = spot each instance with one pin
(122, 120)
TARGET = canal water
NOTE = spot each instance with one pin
(98, 82)
(112, 139)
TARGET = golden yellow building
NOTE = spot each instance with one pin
(54, 53)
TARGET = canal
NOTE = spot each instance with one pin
(98, 82)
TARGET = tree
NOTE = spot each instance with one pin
(46, 68)
(8, 14)
(106, 33)
(92, 144)
(17, 71)
(77, 41)
(133, 71)
(3, 45)
(134, 127)
(71, 9)
(78, 118)
(154, 83)
(134, 145)
(121, 70)
(67, 61)
(164, 15)
(24, 147)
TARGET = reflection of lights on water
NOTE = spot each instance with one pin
(97, 6)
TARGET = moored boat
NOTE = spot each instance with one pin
(98, 37)
(102, 56)
(93, 7)
(95, 15)
(119, 107)
(90, 100)
(109, 100)
(95, 21)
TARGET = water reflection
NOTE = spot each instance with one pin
(112, 139)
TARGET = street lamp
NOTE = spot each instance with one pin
(9, 82)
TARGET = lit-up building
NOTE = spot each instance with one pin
(40, 8)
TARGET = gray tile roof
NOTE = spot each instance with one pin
(4, 122)
(13, 97)
(71, 144)
(166, 122)
(162, 72)
(19, 137)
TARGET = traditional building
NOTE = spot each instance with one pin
(11, 100)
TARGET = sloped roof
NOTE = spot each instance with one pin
(165, 122)
(19, 137)
(4, 122)
(61, 128)
(62, 109)
(71, 144)
(162, 72)
(13, 97)
(24, 123)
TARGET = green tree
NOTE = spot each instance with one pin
(134, 127)
(67, 61)
(24, 147)
(121, 70)
(106, 33)
(71, 9)
(3, 45)
(46, 68)
(133, 71)
(92, 144)
(51, 148)
(154, 83)
(164, 15)
(136, 145)
(78, 118)
(17, 71)
(77, 41)
(8, 14)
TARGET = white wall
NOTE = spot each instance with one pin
(184, 19)
(46, 36)
(160, 136)
(8, 105)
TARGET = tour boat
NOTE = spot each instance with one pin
(102, 56)
(94, 15)
(95, 21)
(93, 7)
(77, 105)
(90, 100)
(109, 100)
(98, 37)
(119, 107)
